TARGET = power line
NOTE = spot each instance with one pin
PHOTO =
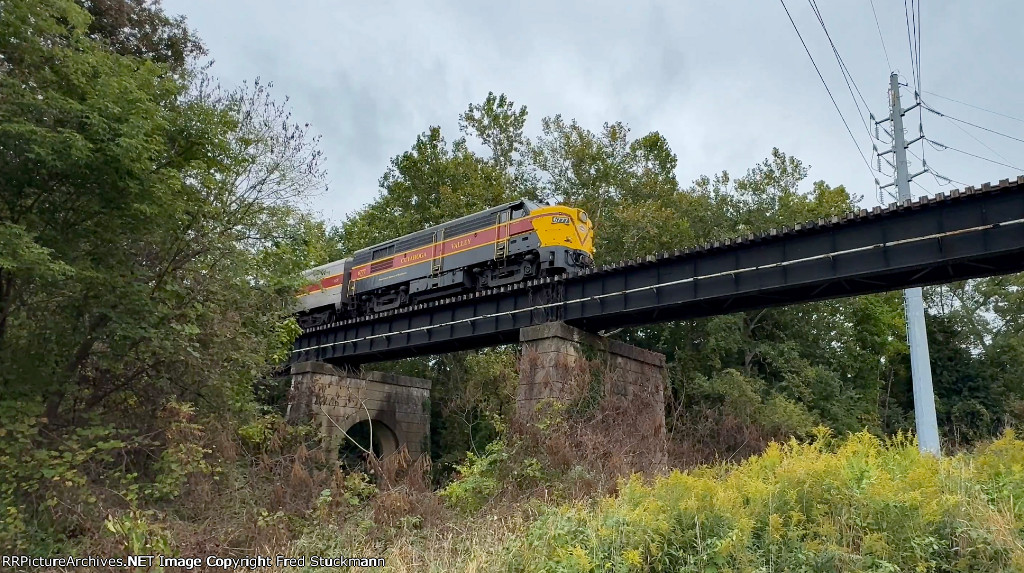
(879, 28)
(940, 114)
(971, 135)
(926, 191)
(913, 45)
(917, 25)
(948, 181)
(824, 83)
(943, 147)
(912, 16)
(847, 76)
(935, 174)
(917, 92)
(974, 106)
(910, 43)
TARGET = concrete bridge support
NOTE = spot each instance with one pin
(394, 409)
(616, 389)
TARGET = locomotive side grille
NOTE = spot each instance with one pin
(414, 240)
(382, 265)
(470, 225)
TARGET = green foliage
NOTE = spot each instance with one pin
(140, 28)
(427, 186)
(843, 363)
(21, 256)
(140, 217)
(628, 186)
(744, 397)
(860, 505)
(357, 488)
(258, 434)
(323, 533)
(151, 243)
(43, 487)
(478, 479)
(137, 534)
(183, 455)
(481, 478)
(472, 398)
(150, 248)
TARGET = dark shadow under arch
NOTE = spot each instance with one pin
(384, 442)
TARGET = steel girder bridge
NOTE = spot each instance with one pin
(969, 233)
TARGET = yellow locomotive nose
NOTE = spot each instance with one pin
(586, 229)
(563, 226)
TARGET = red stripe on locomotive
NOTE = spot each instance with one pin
(326, 283)
(456, 245)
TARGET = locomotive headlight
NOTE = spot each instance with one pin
(583, 216)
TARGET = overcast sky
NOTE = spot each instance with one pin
(724, 81)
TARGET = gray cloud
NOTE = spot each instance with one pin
(723, 81)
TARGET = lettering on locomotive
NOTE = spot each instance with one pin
(459, 244)
(415, 256)
(560, 219)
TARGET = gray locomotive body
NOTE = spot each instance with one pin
(502, 245)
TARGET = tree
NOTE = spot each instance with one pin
(433, 183)
(842, 362)
(138, 214)
(628, 186)
(498, 125)
(140, 28)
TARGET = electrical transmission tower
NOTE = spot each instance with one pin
(917, 337)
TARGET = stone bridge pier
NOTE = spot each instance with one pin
(612, 392)
(615, 389)
(356, 404)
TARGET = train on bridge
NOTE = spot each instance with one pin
(502, 245)
(963, 234)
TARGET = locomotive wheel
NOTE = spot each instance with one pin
(388, 301)
(508, 275)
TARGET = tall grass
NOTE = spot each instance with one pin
(861, 504)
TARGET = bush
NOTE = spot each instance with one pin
(45, 492)
(482, 478)
(860, 505)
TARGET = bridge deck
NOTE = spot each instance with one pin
(964, 234)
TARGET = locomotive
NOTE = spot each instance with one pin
(498, 246)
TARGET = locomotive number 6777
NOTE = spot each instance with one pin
(499, 246)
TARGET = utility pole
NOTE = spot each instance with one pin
(917, 336)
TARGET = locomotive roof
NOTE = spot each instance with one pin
(325, 266)
(531, 205)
